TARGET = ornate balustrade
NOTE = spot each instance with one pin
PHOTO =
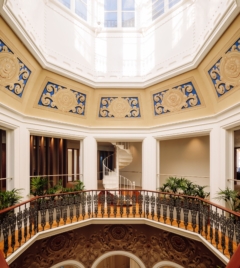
(218, 225)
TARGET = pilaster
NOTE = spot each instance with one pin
(90, 163)
(149, 163)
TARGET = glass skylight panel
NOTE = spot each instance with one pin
(128, 13)
(157, 8)
(66, 3)
(128, 19)
(171, 3)
(110, 19)
(110, 5)
(128, 5)
(110, 13)
(81, 8)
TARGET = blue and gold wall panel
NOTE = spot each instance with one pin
(225, 73)
(65, 99)
(175, 99)
(119, 107)
(14, 74)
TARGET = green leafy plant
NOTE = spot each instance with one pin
(174, 184)
(231, 197)
(79, 186)
(9, 198)
(57, 188)
(38, 186)
(183, 186)
(199, 191)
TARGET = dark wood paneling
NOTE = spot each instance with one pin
(49, 156)
(1, 156)
(36, 148)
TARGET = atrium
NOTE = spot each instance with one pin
(143, 90)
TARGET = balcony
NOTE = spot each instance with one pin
(213, 225)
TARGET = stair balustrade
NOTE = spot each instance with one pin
(111, 178)
(215, 224)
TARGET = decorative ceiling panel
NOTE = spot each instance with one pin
(175, 99)
(119, 107)
(225, 73)
(62, 98)
(14, 74)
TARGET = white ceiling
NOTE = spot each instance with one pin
(119, 58)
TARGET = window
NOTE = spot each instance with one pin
(110, 13)
(160, 6)
(119, 13)
(128, 13)
(81, 8)
(172, 3)
(66, 3)
(157, 8)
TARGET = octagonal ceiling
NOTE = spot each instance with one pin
(135, 57)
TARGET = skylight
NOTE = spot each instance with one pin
(118, 13)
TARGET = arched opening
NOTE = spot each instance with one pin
(167, 264)
(68, 264)
(125, 259)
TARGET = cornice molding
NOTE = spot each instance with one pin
(226, 119)
(41, 54)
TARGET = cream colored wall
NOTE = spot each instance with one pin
(188, 156)
(39, 77)
(134, 171)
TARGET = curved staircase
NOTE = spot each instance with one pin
(122, 158)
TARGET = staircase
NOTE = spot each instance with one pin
(122, 158)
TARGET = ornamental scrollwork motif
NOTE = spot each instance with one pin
(14, 73)
(63, 99)
(119, 107)
(87, 244)
(225, 74)
(175, 99)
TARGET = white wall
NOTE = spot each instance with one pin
(186, 157)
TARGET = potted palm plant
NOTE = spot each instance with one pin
(8, 199)
(231, 197)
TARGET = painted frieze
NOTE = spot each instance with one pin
(14, 74)
(63, 98)
(119, 107)
(175, 99)
(225, 73)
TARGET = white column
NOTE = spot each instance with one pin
(90, 163)
(219, 152)
(158, 165)
(149, 163)
(18, 159)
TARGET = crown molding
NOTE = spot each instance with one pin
(41, 55)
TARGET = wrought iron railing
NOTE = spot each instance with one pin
(218, 225)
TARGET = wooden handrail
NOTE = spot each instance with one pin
(235, 260)
(3, 263)
(129, 190)
(211, 221)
